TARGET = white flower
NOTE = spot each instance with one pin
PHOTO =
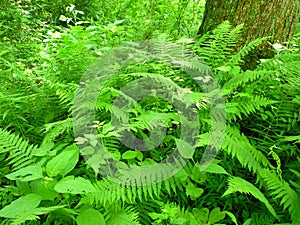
(71, 7)
(62, 18)
(278, 46)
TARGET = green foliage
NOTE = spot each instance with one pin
(237, 184)
(46, 176)
(19, 153)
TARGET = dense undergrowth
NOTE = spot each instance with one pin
(46, 48)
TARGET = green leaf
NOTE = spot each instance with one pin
(124, 217)
(139, 155)
(74, 185)
(216, 215)
(25, 208)
(232, 216)
(27, 173)
(203, 140)
(197, 175)
(21, 205)
(248, 222)
(184, 148)
(214, 168)
(44, 150)
(237, 184)
(193, 191)
(90, 217)
(45, 188)
(64, 162)
(292, 138)
(201, 215)
(129, 155)
(224, 68)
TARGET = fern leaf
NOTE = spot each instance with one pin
(245, 104)
(55, 129)
(281, 190)
(237, 145)
(124, 216)
(19, 150)
(245, 50)
(243, 78)
(237, 184)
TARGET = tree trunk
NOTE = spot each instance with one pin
(276, 18)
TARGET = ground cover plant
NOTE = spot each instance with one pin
(52, 169)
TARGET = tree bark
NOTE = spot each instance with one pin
(275, 18)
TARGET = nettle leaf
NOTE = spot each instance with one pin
(64, 162)
(28, 173)
(74, 185)
(90, 217)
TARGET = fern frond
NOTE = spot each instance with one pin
(238, 58)
(53, 130)
(244, 78)
(123, 215)
(237, 145)
(144, 186)
(245, 104)
(144, 207)
(65, 92)
(237, 184)
(280, 189)
(217, 47)
(19, 150)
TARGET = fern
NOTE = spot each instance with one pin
(281, 190)
(245, 104)
(55, 129)
(237, 145)
(144, 208)
(20, 151)
(238, 58)
(131, 192)
(123, 215)
(237, 184)
(218, 46)
(241, 79)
